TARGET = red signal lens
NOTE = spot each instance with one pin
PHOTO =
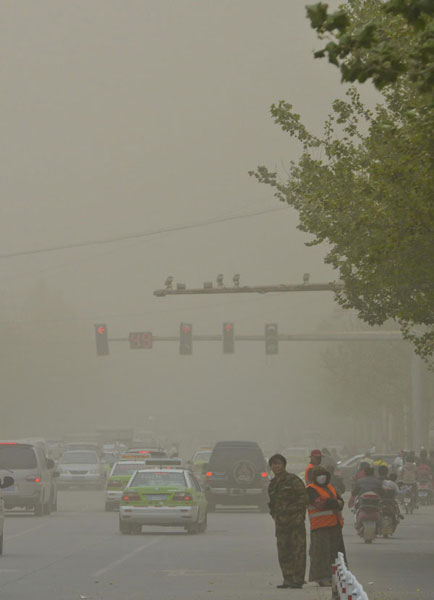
(101, 330)
(228, 327)
(264, 474)
(209, 474)
(186, 329)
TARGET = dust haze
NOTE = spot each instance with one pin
(143, 116)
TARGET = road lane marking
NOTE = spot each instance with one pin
(25, 532)
(124, 558)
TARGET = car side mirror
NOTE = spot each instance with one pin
(7, 482)
(50, 463)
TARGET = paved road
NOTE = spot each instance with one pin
(78, 553)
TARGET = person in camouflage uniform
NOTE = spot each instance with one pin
(288, 503)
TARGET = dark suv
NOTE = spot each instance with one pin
(236, 475)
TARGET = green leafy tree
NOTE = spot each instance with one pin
(382, 41)
(366, 188)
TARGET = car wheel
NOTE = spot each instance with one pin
(47, 508)
(124, 527)
(137, 529)
(203, 525)
(1, 544)
(211, 506)
(54, 503)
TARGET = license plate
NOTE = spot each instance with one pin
(423, 493)
(157, 496)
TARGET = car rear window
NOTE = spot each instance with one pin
(202, 456)
(17, 457)
(159, 479)
(79, 458)
(125, 469)
(221, 458)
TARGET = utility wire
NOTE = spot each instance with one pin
(142, 234)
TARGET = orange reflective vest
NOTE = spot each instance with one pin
(328, 517)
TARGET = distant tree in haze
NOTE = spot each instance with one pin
(369, 381)
(366, 185)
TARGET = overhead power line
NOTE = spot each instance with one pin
(141, 234)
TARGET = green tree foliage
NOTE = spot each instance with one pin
(366, 188)
(379, 40)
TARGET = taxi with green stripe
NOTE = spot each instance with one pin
(163, 497)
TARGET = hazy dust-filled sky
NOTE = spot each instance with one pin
(136, 116)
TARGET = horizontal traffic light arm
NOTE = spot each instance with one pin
(259, 289)
(367, 336)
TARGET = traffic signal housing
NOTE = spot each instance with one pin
(271, 339)
(228, 338)
(101, 339)
(186, 338)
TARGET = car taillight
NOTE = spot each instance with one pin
(209, 474)
(182, 498)
(114, 484)
(33, 479)
(264, 474)
(131, 497)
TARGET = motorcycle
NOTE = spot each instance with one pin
(408, 499)
(368, 515)
(425, 492)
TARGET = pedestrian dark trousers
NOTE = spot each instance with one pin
(291, 550)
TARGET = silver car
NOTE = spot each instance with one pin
(81, 468)
(35, 486)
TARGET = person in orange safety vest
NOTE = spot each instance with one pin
(324, 510)
(315, 460)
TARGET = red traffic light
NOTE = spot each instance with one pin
(101, 330)
(186, 329)
(228, 327)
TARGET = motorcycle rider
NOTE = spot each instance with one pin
(390, 489)
(359, 475)
(424, 468)
(398, 462)
(408, 474)
(369, 483)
